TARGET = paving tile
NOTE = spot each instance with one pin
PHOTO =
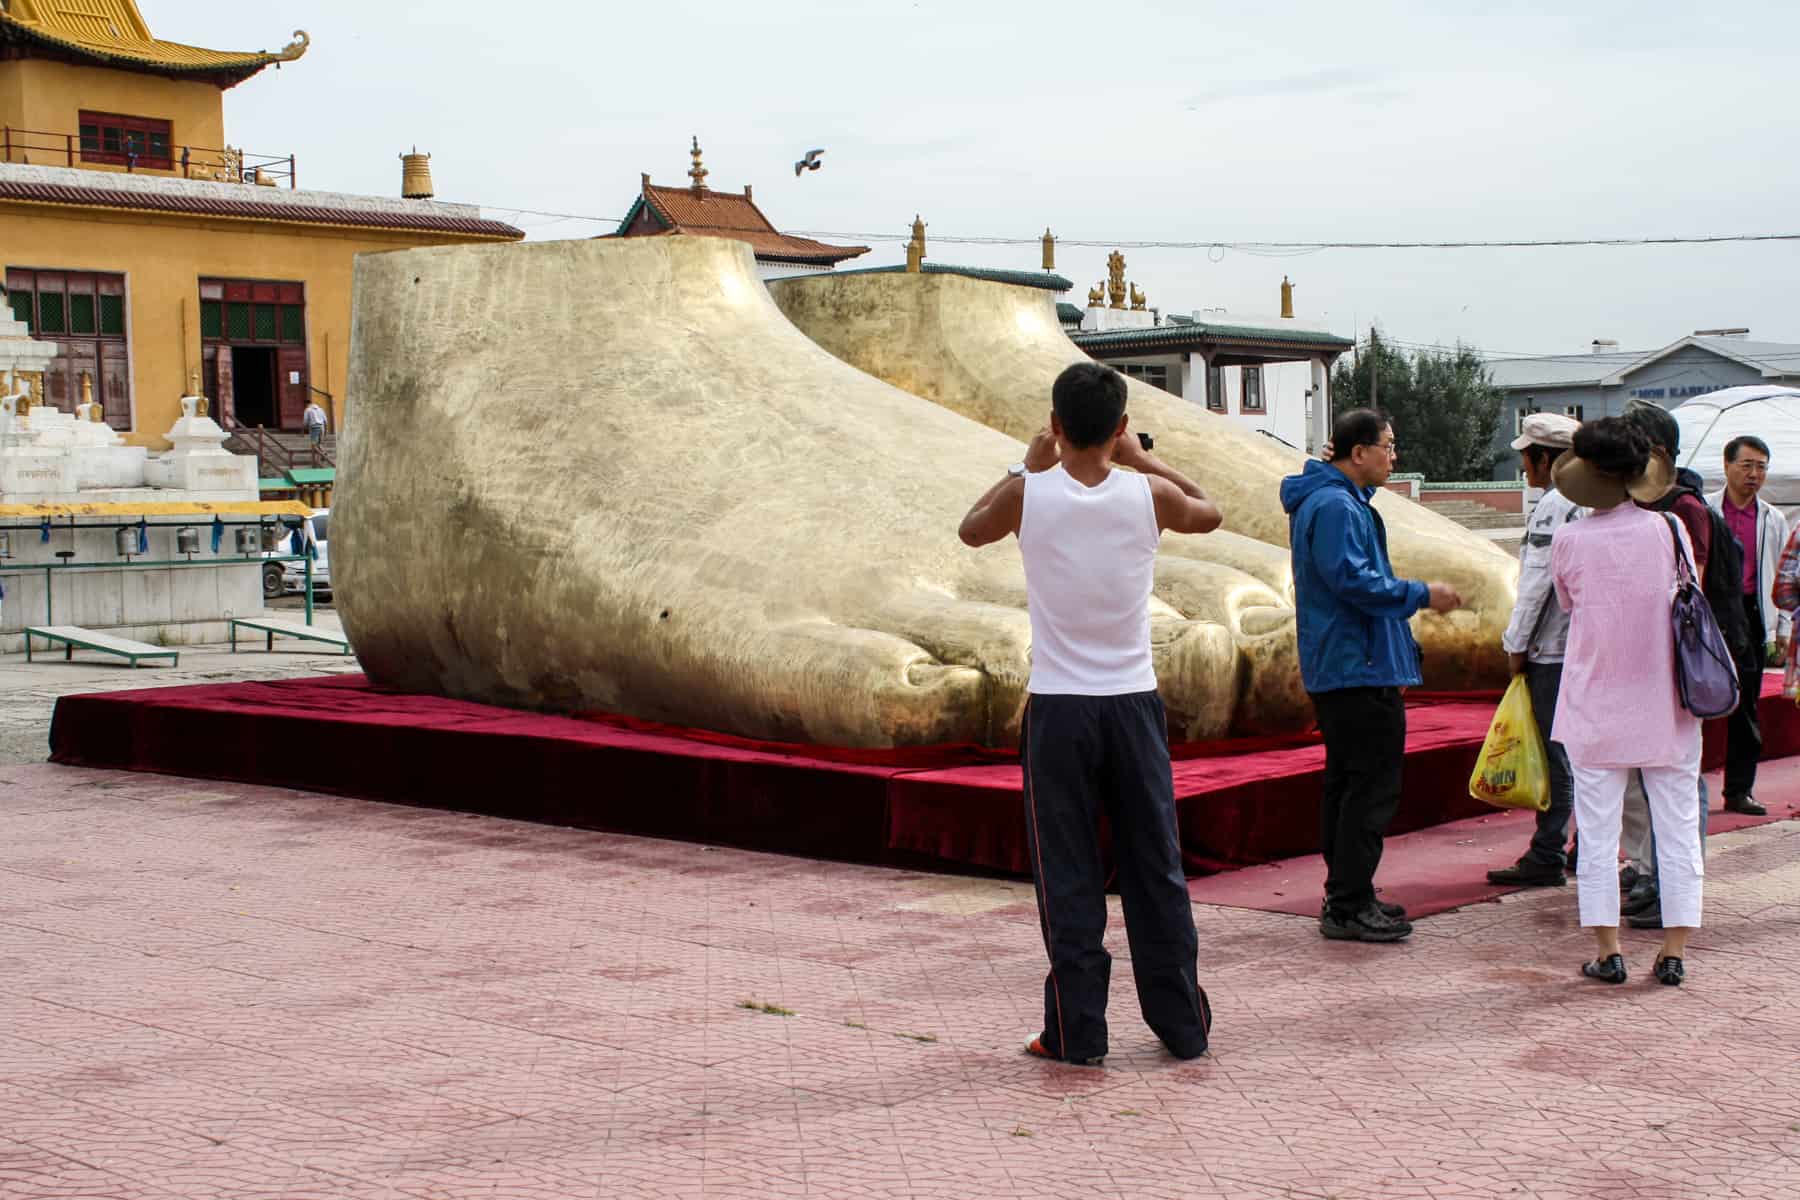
(212, 991)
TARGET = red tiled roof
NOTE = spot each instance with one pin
(735, 215)
(207, 206)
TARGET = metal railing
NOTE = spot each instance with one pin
(11, 566)
(268, 447)
(223, 165)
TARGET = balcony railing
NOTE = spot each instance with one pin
(226, 165)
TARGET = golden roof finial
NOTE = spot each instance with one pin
(1115, 279)
(1049, 249)
(697, 173)
(915, 249)
(1138, 299)
(1287, 298)
(294, 49)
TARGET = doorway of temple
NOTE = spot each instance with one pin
(253, 351)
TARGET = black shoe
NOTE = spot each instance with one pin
(1650, 918)
(1745, 804)
(1670, 970)
(1642, 897)
(1527, 873)
(1610, 969)
(1397, 911)
(1367, 924)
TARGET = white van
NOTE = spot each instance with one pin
(284, 578)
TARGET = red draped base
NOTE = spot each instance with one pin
(1238, 803)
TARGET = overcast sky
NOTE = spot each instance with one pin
(1124, 120)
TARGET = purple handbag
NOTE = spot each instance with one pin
(1705, 674)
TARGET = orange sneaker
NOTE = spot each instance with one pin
(1036, 1048)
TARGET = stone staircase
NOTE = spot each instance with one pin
(1473, 515)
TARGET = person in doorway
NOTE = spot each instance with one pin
(1095, 737)
(1534, 641)
(1761, 533)
(314, 420)
(1356, 654)
(1620, 707)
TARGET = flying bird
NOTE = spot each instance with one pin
(810, 163)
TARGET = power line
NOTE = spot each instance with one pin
(1242, 247)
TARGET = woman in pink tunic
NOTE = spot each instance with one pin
(1620, 706)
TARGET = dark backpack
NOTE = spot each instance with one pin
(1724, 584)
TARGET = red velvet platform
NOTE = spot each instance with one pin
(1239, 803)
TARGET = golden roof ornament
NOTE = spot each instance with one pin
(1097, 294)
(295, 48)
(415, 176)
(1049, 249)
(1138, 299)
(915, 249)
(697, 172)
(1115, 279)
(1287, 298)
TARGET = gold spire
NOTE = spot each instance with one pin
(1115, 279)
(1287, 298)
(697, 173)
(915, 249)
(1049, 249)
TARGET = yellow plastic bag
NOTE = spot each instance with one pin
(1512, 771)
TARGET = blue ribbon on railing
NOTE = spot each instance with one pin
(143, 536)
(218, 534)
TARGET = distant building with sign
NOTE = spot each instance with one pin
(159, 259)
(1603, 382)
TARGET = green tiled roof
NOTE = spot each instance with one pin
(312, 475)
(1193, 331)
(1050, 281)
(274, 485)
(1069, 313)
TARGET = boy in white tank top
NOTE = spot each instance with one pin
(1095, 737)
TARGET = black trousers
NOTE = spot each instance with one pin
(1365, 746)
(1084, 756)
(1743, 728)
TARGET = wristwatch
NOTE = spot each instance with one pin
(1017, 470)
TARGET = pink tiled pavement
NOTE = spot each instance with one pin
(209, 990)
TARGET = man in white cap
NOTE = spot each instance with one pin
(1534, 642)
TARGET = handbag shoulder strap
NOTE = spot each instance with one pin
(1684, 570)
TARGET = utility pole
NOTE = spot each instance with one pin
(1374, 369)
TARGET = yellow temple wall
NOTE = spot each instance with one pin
(163, 259)
(48, 97)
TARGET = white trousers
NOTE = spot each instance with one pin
(1674, 802)
(1635, 825)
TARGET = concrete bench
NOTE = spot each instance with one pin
(73, 637)
(272, 629)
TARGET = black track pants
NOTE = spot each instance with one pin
(1365, 746)
(1083, 756)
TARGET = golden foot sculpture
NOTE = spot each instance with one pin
(610, 475)
(990, 351)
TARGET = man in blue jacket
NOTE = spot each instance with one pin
(1356, 654)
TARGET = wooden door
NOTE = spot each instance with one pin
(291, 382)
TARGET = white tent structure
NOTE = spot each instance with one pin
(1771, 413)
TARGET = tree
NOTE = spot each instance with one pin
(1444, 407)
